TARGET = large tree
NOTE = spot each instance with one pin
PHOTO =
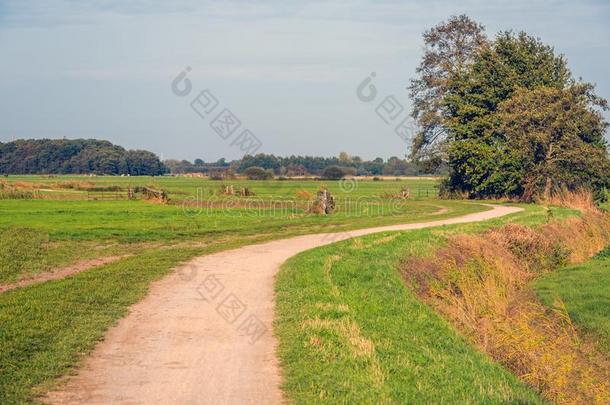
(511, 62)
(449, 50)
(511, 119)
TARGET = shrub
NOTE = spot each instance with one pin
(333, 173)
(258, 173)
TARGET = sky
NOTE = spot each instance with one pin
(287, 71)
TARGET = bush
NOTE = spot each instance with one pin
(216, 176)
(258, 173)
(333, 173)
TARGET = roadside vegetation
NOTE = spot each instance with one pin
(350, 330)
(48, 327)
(583, 291)
(480, 283)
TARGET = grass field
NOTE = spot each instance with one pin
(351, 332)
(180, 188)
(68, 230)
(584, 290)
(48, 327)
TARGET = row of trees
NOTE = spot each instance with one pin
(85, 156)
(311, 165)
(506, 115)
(77, 156)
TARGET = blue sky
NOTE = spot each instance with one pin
(288, 70)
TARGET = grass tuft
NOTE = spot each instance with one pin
(22, 250)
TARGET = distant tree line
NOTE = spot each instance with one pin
(76, 156)
(312, 165)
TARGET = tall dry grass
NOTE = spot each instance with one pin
(480, 284)
(581, 200)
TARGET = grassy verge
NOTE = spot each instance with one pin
(350, 331)
(47, 328)
(584, 291)
(481, 284)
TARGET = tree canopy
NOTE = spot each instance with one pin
(514, 121)
(449, 49)
(75, 156)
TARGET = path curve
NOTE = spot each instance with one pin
(195, 338)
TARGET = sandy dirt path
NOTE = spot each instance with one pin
(203, 335)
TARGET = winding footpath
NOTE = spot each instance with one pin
(203, 335)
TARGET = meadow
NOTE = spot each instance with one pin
(349, 328)
(49, 326)
(68, 227)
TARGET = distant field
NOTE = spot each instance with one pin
(73, 228)
(180, 188)
(585, 291)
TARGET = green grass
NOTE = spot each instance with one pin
(48, 327)
(21, 251)
(336, 302)
(180, 188)
(585, 291)
(136, 221)
(80, 229)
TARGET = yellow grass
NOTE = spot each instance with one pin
(480, 283)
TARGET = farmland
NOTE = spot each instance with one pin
(64, 318)
(119, 246)
(69, 227)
